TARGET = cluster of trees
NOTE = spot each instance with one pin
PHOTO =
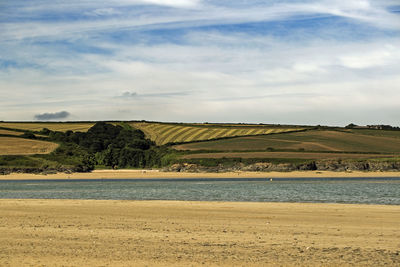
(376, 127)
(384, 127)
(106, 145)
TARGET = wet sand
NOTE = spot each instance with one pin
(143, 174)
(173, 233)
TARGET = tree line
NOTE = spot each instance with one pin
(105, 145)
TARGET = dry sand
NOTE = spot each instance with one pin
(172, 233)
(140, 174)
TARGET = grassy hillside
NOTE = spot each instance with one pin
(21, 146)
(313, 140)
(164, 133)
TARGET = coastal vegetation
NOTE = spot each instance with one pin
(103, 145)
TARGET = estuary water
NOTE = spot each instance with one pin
(328, 190)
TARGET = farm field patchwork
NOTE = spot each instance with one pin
(20, 146)
(313, 140)
(37, 126)
(164, 133)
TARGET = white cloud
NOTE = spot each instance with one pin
(174, 3)
(214, 76)
(230, 81)
(197, 14)
(371, 58)
(103, 12)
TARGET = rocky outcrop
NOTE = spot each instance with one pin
(38, 170)
(287, 167)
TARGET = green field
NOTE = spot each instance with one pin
(313, 140)
(164, 133)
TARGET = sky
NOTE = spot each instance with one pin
(327, 62)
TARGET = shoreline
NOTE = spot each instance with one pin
(156, 174)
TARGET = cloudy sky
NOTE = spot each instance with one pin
(328, 62)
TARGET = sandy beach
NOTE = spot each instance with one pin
(173, 233)
(143, 174)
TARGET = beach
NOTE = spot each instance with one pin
(184, 233)
(156, 174)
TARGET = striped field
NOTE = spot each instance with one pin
(7, 132)
(164, 133)
(20, 146)
(57, 126)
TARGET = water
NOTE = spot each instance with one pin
(334, 190)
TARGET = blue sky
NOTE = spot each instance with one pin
(298, 62)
